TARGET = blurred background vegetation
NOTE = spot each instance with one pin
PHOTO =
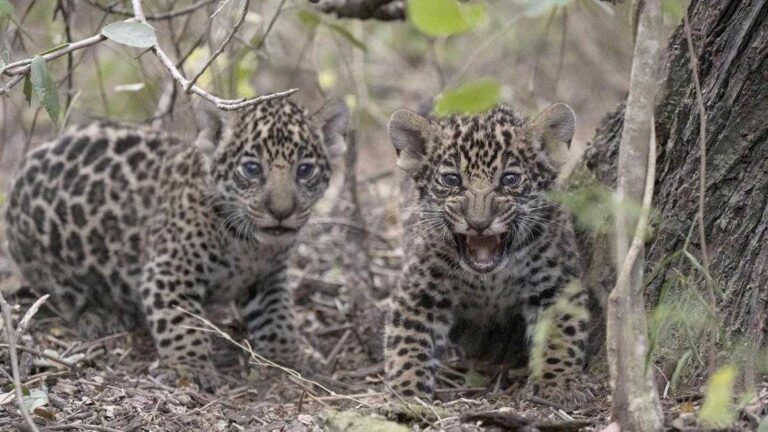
(537, 52)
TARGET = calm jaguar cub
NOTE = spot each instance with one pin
(125, 227)
(486, 248)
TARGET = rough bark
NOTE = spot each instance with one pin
(731, 43)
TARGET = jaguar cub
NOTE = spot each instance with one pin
(486, 249)
(127, 227)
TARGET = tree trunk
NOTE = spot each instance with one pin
(730, 39)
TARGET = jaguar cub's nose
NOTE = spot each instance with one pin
(479, 224)
(280, 208)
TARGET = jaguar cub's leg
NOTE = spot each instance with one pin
(416, 334)
(559, 374)
(268, 315)
(170, 288)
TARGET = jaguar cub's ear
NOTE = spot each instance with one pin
(556, 125)
(409, 133)
(334, 120)
(212, 125)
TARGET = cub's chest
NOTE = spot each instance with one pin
(240, 267)
(491, 294)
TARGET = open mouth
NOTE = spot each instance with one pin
(277, 230)
(482, 253)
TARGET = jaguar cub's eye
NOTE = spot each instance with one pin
(250, 169)
(305, 170)
(510, 179)
(451, 180)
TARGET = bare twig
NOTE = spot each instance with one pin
(221, 48)
(222, 104)
(21, 68)
(83, 426)
(10, 333)
(702, 141)
(153, 17)
(270, 25)
(45, 356)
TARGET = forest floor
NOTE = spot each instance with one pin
(108, 384)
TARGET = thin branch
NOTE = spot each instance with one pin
(702, 140)
(19, 69)
(40, 354)
(10, 333)
(222, 104)
(270, 25)
(153, 17)
(224, 44)
(638, 240)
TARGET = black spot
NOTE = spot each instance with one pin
(95, 150)
(54, 239)
(55, 170)
(75, 247)
(78, 215)
(98, 247)
(126, 143)
(38, 215)
(96, 197)
(76, 148)
(136, 158)
(60, 146)
(161, 325)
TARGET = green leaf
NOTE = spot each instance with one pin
(28, 90)
(445, 17)
(44, 87)
(716, 410)
(130, 33)
(347, 35)
(6, 9)
(308, 18)
(470, 98)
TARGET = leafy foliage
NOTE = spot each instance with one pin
(44, 87)
(445, 17)
(716, 410)
(470, 98)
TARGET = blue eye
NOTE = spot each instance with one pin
(451, 180)
(250, 169)
(305, 170)
(510, 179)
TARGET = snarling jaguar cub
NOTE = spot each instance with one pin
(486, 248)
(130, 227)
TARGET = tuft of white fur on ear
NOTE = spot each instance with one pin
(334, 119)
(212, 126)
(556, 125)
(409, 133)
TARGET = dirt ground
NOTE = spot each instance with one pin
(109, 385)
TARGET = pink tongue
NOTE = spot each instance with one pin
(482, 249)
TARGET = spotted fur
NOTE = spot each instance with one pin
(129, 228)
(486, 249)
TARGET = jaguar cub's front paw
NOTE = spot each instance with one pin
(568, 390)
(202, 375)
